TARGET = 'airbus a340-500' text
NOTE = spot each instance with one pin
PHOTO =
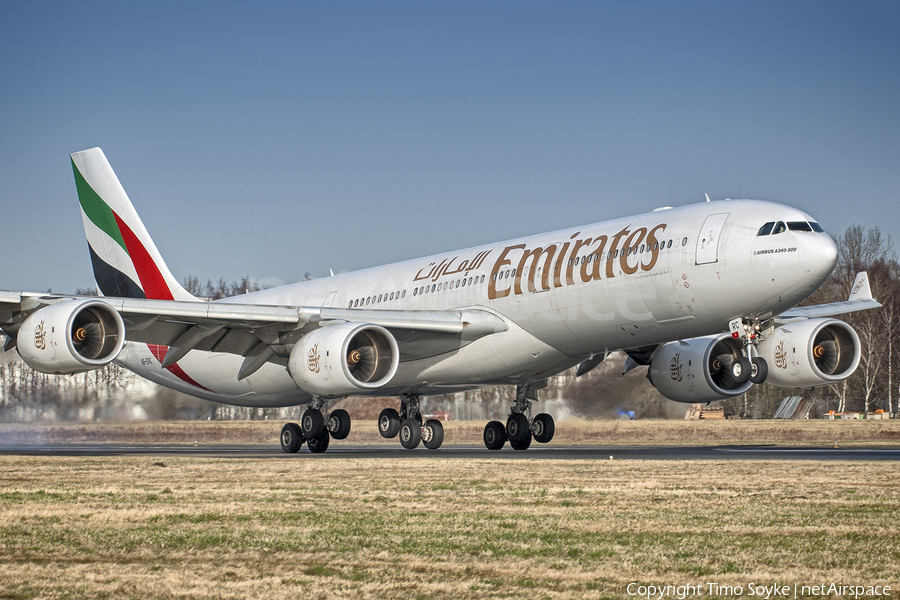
(704, 295)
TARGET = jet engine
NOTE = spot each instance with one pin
(810, 353)
(72, 336)
(344, 359)
(700, 369)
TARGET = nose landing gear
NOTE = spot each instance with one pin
(751, 367)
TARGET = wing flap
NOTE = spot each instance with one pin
(209, 311)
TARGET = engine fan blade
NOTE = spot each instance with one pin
(720, 370)
(364, 367)
(87, 337)
(827, 354)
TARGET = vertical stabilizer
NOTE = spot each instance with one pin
(125, 259)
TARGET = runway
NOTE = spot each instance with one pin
(338, 451)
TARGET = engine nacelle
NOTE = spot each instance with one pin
(73, 336)
(697, 369)
(344, 359)
(810, 353)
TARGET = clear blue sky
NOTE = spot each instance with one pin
(268, 139)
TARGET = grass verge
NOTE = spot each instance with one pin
(185, 527)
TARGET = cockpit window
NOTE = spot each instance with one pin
(799, 226)
(816, 227)
(766, 229)
(780, 227)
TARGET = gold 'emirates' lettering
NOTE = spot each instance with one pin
(630, 256)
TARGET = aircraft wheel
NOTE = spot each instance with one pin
(410, 433)
(319, 444)
(389, 423)
(543, 428)
(517, 429)
(759, 370)
(521, 445)
(740, 370)
(312, 423)
(433, 434)
(339, 424)
(494, 435)
(291, 438)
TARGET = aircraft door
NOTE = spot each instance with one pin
(708, 240)
(660, 297)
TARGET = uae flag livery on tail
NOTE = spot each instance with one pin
(125, 260)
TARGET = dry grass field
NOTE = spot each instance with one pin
(191, 527)
(196, 527)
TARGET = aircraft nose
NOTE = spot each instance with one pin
(820, 256)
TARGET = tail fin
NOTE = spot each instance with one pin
(125, 259)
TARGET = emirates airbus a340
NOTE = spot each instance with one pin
(703, 294)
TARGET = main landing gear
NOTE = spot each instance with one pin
(520, 427)
(408, 425)
(317, 426)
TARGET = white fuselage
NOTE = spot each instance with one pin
(566, 295)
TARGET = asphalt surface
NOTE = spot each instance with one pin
(550, 452)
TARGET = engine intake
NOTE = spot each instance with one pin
(339, 360)
(72, 336)
(810, 353)
(697, 369)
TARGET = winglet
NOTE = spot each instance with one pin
(860, 299)
(860, 289)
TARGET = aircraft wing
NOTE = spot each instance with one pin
(860, 299)
(246, 329)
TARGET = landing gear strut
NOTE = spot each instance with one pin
(753, 367)
(317, 426)
(520, 427)
(407, 424)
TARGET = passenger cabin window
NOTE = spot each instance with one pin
(780, 227)
(766, 229)
(799, 226)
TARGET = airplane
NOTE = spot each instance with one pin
(705, 295)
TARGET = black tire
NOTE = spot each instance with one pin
(320, 444)
(523, 445)
(759, 370)
(389, 423)
(340, 420)
(291, 438)
(494, 435)
(544, 428)
(740, 370)
(433, 434)
(312, 423)
(518, 429)
(410, 433)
